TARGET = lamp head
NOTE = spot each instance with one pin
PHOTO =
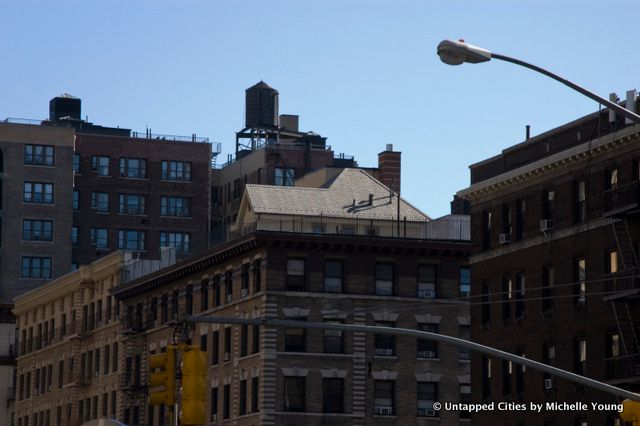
(457, 52)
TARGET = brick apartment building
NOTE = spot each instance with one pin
(345, 265)
(554, 233)
(69, 362)
(271, 150)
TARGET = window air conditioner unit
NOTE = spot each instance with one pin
(383, 411)
(226, 356)
(214, 418)
(505, 238)
(546, 225)
(384, 351)
(427, 354)
(548, 384)
(245, 292)
(427, 294)
(229, 297)
(426, 413)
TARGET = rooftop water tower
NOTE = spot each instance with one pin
(261, 101)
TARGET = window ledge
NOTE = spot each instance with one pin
(385, 357)
(428, 359)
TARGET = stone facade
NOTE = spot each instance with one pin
(252, 277)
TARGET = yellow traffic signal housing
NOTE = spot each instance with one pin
(194, 387)
(165, 377)
(630, 412)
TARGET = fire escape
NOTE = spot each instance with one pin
(623, 365)
(132, 378)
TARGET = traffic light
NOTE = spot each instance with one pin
(630, 412)
(166, 377)
(194, 387)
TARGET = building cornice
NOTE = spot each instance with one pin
(551, 163)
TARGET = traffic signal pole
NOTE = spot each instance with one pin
(535, 365)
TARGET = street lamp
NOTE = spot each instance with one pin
(457, 52)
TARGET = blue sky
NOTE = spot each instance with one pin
(362, 73)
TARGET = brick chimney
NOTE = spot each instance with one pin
(389, 168)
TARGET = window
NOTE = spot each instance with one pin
(36, 267)
(257, 282)
(580, 356)
(486, 307)
(76, 163)
(133, 168)
(36, 192)
(427, 287)
(132, 204)
(332, 395)
(39, 155)
(520, 212)
(99, 237)
(242, 409)
(579, 201)
(465, 333)
(427, 395)
(214, 405)
(384, 279)
(226, 402)
(176, 170)
(244, 278)
(579, 280)
(215, 347)
(175, 206)
(255, 394)
(255, 337)
(76, 199)
(548, 355)
(333, 276)
(548, 277)
(228, 284)
(610, 179)
(37, 230)
(465, 282)
(131, 239)
(613, 345)
(520, 291)
(507, 377)
(284, 176)
(74, 235)
(548, 204)
(487, 225)
(333, 342)
(507, 296)
(384, 397)
(385, 344)
(204, 295)
(295, 280)
(465, 398)
(427, 348)
(100, 165)
(294, 393)
(520, 369)
(295, 338)
(486, 377)
(227, 343)
(611, 262)
(244, 340)
(506, 220)
(100, 201)
(188, 303)
(179, 240)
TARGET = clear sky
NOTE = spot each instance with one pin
(363, 73)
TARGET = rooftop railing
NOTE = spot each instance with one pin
(276, 147)
(443, 229)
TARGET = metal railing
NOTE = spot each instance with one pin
(623, 367)
(174, 138)
(622, 198)
(275, 147)
(28, 121)
(444, 229)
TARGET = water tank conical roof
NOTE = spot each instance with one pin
(261, 103)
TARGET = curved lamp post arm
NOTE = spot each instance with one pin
(457, 52)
